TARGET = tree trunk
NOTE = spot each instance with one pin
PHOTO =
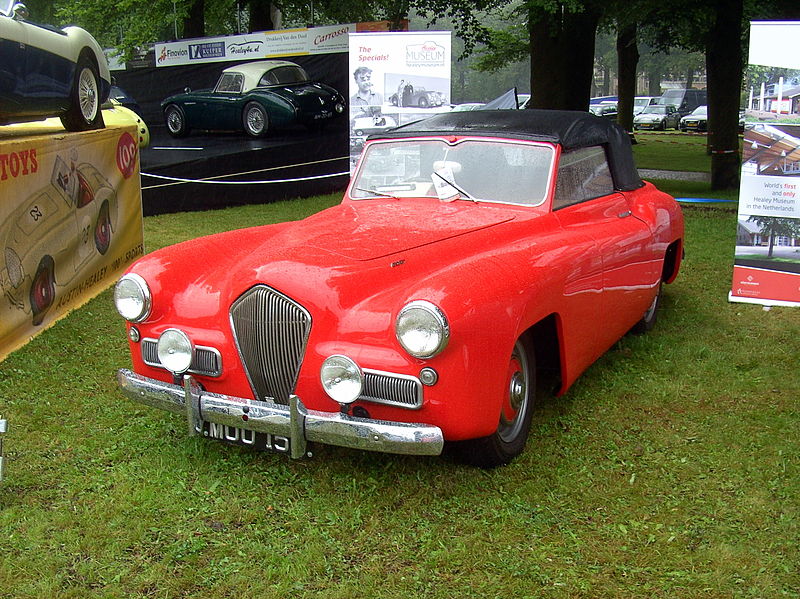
(628, 59)
(724, 72)
(547, 85)
(194, 25)
(654, 76)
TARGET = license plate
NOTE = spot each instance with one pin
(246, 438)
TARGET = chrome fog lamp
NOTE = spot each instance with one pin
(132, 298)
(341, 378)
(422, 329)
(175, 351)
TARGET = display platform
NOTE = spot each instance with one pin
(70, 221)
(208, 170)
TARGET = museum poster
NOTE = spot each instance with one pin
(396, 78)
(767, 259)
(70, 222)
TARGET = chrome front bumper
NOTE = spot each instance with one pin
(294, 421)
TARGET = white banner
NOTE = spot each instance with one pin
(251, 46)
(397, 78)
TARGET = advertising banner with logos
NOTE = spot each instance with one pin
(252, 46)
(767, 260)
(396, 78)
(70, 222)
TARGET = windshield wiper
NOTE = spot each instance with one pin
(463, 194)
(377, 193)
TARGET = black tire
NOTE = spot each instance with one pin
(648, 320)
(255, 120)
(84, 99)
(175, 119)
(423, 102)
(43, 289)
(508, 441)
(102, 229)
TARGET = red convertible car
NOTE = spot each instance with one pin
(472, 252)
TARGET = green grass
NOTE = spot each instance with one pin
(671, 151)
(669, 470)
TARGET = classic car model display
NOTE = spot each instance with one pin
(697, 120)
(71, 220)
(472, 253)
(418, 97)
(254, 97)
(45, 71)
(657, 116)
(367, 125)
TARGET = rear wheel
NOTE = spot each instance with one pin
(43, 289)
(508, 440)
(648, 321)
(84, 110)
(176, 121)
(255, 120)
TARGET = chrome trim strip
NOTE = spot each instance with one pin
(294, 421)
(206, 360)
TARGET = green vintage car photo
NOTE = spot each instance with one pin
(254, 97)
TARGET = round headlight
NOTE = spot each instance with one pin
(132, 298)
(175, 351)
(422, 329)
(342, 379)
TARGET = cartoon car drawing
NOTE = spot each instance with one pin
(55, 234)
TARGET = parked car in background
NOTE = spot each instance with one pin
(476, 256)
(254, 97)
(467, 106)
(657, 116)
(641, 102)
(46, 71)
(604, 109)
(697, 120)
(123, 98)
(684, 100)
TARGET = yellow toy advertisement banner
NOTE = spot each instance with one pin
(70, 222)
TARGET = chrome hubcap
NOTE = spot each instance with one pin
(87, 94)
(255, 121)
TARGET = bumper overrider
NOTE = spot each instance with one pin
(293, 422)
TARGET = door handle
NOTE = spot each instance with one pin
(625, 214)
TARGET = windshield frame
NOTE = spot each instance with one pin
(454, 141)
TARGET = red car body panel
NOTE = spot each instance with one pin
(494, 269)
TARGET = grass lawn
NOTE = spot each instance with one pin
(670, 469)
(671, 151)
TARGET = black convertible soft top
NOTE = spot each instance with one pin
(570, 128)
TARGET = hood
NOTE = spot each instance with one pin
(315, 257)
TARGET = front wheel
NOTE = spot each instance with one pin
(84, 102)
(102, 229)
(255, 120)
(175, 119)
(508, 440)
(43, 290)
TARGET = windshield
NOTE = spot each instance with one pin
(653, 109)
(700, 111)
(472, 169)
(6, 6)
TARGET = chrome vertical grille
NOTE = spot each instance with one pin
(271, 332)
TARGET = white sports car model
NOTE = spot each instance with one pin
(46, 71)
